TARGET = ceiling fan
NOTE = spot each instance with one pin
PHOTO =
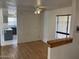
(39, 7)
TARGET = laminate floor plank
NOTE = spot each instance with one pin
(30, 50)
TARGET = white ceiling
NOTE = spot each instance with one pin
(51, 4)
(5, 3)
(28, 4)
(8, 5)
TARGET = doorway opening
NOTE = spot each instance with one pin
(9, 26)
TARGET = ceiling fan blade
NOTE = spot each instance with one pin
(42, 7)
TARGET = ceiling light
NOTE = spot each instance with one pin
(38, 11)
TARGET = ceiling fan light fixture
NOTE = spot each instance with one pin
(39, 8)
(38, 11)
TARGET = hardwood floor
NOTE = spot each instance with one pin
(31, 50)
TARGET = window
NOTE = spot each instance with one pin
(12, 21)
(63, 26)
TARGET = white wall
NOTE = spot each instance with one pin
(29, 26)
(69, 51)
(1, 25)
(76, 21)
(50, 22)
